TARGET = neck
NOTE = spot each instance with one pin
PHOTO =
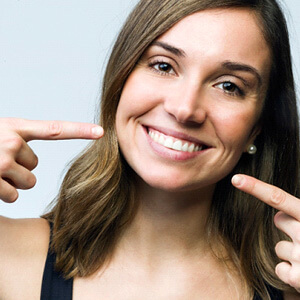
(169, 224)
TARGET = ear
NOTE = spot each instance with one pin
(254, 133)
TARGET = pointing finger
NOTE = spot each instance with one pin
(269, 194)
(54, 130)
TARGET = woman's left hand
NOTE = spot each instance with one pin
(287, 220)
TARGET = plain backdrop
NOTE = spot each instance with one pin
(52, 58)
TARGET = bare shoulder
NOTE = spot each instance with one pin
(23, 251)
(28, 233)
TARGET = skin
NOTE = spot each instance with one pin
(18, 159)
(160, 254)
(287, 220)
(190, 99)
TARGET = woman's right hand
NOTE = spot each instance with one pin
(17, 159)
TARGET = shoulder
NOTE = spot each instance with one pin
(23, 251)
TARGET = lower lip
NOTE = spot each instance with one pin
(168, 153)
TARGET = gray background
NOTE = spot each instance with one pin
(52, 57)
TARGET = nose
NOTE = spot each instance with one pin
(185, 104)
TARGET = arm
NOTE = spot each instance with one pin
(23, 250)
(24, 242)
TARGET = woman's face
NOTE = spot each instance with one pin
(190, 107)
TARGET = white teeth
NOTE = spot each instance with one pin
(177, 146)
(168, 143)
(185, 147)
(161, 140)
(173, 143)
(191, 148)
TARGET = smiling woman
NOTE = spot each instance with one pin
(209, 99)
(194, 92)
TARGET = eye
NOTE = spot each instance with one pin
(230, 88)
(163, 68)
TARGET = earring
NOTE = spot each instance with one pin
(251, 149)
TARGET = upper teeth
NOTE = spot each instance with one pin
(173, 143)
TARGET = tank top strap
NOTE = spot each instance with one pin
(54, 285)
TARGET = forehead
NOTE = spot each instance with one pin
(225, 34)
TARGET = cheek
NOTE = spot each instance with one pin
(138, 96)
(136, 99)
(234, 126)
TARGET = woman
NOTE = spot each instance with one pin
(194, 92)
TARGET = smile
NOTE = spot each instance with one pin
(174, 143)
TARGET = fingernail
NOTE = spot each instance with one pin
(237, 180)
(97, 131)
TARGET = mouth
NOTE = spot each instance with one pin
(174, 143)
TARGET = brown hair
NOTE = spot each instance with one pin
(96, 199)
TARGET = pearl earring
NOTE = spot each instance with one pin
(251, 149)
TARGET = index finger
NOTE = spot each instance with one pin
(55, 130)
(269, 194)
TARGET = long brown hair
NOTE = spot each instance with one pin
(96, 199)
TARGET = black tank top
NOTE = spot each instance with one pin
(56, 287)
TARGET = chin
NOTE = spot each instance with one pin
(173, 184)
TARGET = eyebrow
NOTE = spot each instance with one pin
(235, 66)
(172, 49)
(229, 65)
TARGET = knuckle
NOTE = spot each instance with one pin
(55, 128)
(6, 164)
(278, 197)
(14, 143)
(296, 254)
(13, 123)
(296, 237)
(294, 278)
